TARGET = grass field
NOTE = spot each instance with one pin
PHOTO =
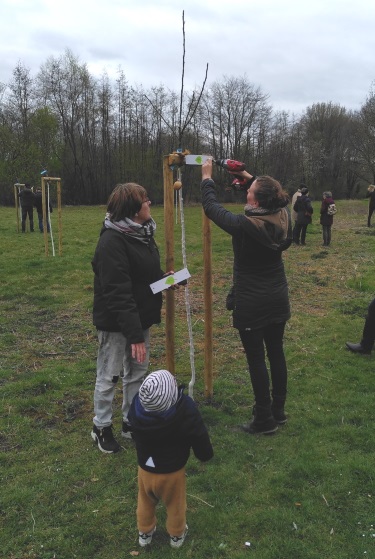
(305, 493)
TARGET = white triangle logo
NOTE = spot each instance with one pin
(150, 463)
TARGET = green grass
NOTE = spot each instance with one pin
(306, 492)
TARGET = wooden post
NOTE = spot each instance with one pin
(17, 203)
(44, 209)
(207, 290)
(169, 264)
(59, 215)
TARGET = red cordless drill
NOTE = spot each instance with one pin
(233, 166)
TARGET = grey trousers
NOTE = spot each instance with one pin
(114, 362)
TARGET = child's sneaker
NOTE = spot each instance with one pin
(177, 541)
(105, 440)
(145, 538)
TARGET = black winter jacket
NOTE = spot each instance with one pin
(163, 440)
(304, 210)
(124, 267)
(325, 218)
(26, 197)
(260, 285)
(371, 195)
(38, 202)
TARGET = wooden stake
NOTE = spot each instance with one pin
(45, 211)
(169, 264)
(207, 290)
(59, 215)
(17, 203)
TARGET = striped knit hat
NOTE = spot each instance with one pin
(159, 391)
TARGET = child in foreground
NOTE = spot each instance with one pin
(165, 424)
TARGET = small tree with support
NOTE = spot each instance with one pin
(168, 163)
(46, 217)
(171, 162)
(17, 189)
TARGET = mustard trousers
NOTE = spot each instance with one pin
(168, 488)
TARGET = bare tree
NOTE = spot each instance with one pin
(363, 139)
(326, 143)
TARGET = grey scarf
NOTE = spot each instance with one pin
(142, 232)
(257, 210)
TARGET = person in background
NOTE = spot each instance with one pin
(371, 206)
(326, 219)
(166, 424)
(125, 263)
(304, 211)
(294, 199)
(260, 299)
(368, 335)
(26, 197)
(38, 203)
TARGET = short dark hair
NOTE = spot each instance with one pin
(126, 200)
(269, 193)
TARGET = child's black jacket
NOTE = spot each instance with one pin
(164, 439)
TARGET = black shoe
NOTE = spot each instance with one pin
(358, 348)
(262, 422)
(105, 440)
(126, 430)
(279, 416)
(257, 427)
(277, 408)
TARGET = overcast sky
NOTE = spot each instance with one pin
(297, 52)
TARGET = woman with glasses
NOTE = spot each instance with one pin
(125, 263)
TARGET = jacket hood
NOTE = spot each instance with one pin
(141, 419)
(270, 230)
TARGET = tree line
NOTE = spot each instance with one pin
(95, 132)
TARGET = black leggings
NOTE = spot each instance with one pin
(299, 233)
(327, 234)
(27, 211)
(368, 335)
(254, 343)
(370, 212)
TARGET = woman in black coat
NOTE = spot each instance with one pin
(260, 298)
(371, 206)
(326, 218)
(125, 263)
(304, 211)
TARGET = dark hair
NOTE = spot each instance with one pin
(126, 200)
(269, 193)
